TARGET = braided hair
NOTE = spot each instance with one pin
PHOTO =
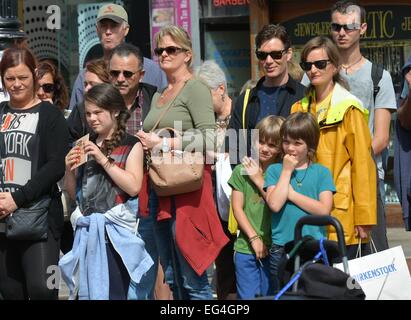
(107, 97)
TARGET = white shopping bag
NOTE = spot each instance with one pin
(223, 190)
(382, 275)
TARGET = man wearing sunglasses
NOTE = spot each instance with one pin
(347, 26)
(126, 72)
(112, 28)
(274, 93)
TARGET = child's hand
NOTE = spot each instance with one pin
(259, 248)
(72, 157)
(91, 149)
(254, 171)
(289, 162)
(252, 168)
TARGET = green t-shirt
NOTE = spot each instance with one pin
(191, 109)
(255, 208)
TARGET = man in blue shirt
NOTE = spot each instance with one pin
(112, 28)
(274, 93)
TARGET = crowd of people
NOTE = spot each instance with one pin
(307, 138)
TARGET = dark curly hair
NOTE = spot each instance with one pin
(108, 97)
(60, 94)
(271, 31)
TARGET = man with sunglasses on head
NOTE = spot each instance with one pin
(347, 26)
(112, 28)
(274, 93)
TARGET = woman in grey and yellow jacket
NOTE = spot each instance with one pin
(345, 141)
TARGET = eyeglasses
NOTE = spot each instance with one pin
(319, 64)
(47, 87)
(170, 50)
(276, 55)
(347, 27)
(126, 73)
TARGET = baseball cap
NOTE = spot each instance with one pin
(113, 12)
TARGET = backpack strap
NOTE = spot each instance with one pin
(245, 104)
(376, 75)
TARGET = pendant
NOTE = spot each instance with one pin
(299, 184)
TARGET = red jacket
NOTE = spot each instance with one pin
(199, 234)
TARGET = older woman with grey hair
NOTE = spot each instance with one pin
(214, 78)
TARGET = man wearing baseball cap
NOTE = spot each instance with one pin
(113, 12)
(112, 28)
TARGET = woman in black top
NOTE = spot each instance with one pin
(34, 141)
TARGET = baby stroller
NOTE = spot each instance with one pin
(306, 271)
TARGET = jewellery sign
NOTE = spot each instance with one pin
(165, 12)
(384, 23)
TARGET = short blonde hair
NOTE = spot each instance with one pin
(179, 35)
(269, 130)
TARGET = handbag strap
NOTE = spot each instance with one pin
(2, 107)
(168, 108)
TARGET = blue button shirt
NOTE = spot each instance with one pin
(268, 101)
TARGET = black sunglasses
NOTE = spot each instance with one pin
(127, 74)
(47, 87)
(169, 50)
(276, 55)
(319, 64)
(347, 27)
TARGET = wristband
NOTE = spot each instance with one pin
(254, 238)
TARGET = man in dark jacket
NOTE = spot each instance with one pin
(126, 72)
(402, 147)
(274, 93)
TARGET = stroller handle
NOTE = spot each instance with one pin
(322, 221)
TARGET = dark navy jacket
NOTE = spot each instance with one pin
(293, 91)
(402, 160)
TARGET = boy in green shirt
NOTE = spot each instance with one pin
(253, 215)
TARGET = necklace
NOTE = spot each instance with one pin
(300, 182)
(176, 85)
(350, 65)
(223, 123)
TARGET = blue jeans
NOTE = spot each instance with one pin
(276, 254)
(145, 289)
(253, 276)
(179, 275)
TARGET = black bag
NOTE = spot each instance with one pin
(325, 282)
(29, 223)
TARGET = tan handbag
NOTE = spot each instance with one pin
(175, 172)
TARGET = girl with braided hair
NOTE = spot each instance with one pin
(108, 183)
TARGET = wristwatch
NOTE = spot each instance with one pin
(165, 147)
